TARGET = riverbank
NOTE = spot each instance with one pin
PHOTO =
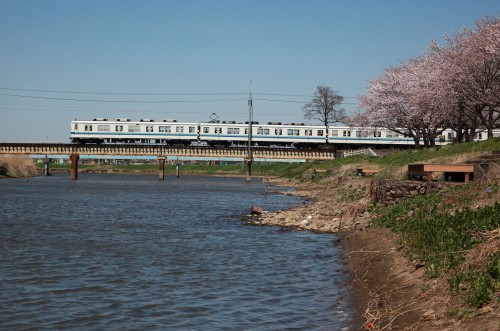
(390, 291)
(16, 166)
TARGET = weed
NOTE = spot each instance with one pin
(424, 287)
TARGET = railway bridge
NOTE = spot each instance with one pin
(73, 151)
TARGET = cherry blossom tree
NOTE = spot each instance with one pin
(405, 100)
(473, 68)
(455, 86)
(385, 105)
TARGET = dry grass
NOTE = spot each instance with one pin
(17, 166)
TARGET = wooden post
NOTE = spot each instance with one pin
(74, 165)
(161, 167)
(177, 169)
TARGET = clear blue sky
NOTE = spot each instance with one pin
(187, 59)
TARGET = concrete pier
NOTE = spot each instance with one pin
(249, 169)
(46, 163)
(161, 167)
(74, 165)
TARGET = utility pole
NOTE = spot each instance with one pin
(249, 157)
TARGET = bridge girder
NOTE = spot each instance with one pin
(159, 150)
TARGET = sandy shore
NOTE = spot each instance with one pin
(387, 289)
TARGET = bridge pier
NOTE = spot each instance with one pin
(46, 163)
(161, 167)
(249, 169)
(74, 165)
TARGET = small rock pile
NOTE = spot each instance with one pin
(389, 192)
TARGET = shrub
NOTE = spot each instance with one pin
(17, 166)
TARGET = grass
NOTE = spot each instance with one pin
(419, 155)
(440, 238)
(239, 169)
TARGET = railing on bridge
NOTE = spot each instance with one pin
(158, 150)
(367, 151)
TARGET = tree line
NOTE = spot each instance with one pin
(452, 86)
(455, 86)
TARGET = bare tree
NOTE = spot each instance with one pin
(324, 107)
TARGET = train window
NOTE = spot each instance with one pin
(320, 133)
(377, 134)
(233, 130)
(134, 128)
(358, 134)
(163, 128)
(278, 132)
(88, 127)
(218, 130)
(149, 128)
(391, 134)
(119, 128)
(192, 129)
(179, 129)
(478, 136)
(335, 133)
(262, 131)
(246, 131)
(205, 129)
(346, 133)
(293, 132)
(76, 127)
(308, 132)
(450, 135)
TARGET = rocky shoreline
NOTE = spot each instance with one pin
(325, 214)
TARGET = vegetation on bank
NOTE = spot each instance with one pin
(453, 234)
(17, 166)
(439, 236)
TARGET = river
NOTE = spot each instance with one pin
(129, 252)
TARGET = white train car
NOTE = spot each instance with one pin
(123, 130)
(296, 134)
(230, 133)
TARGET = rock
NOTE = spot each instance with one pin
(254, 210)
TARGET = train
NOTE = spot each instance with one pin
(232, 133)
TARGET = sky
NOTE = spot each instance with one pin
(189, 59)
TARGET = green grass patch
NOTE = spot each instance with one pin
(434, 235)
(440, 237)
(422, 154)
(479, 286)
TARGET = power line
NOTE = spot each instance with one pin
(158, 93)
(119, 93)
(114, 101)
